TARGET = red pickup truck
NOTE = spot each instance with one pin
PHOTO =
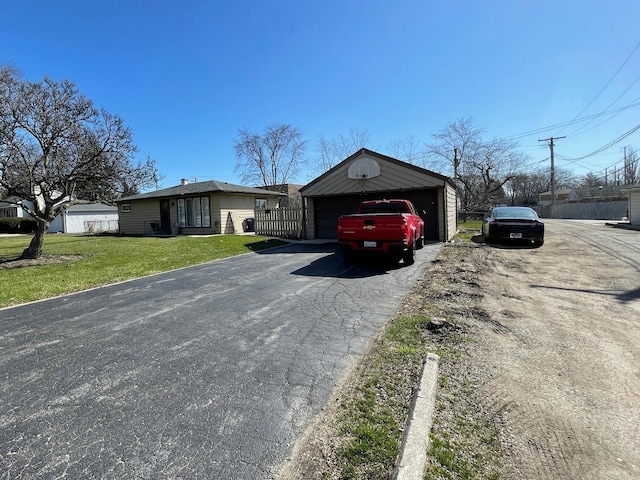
(390, 227)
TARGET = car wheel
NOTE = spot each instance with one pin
(409, 256)
(538, 243)
(420, 242)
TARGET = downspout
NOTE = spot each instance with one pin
(304, 219)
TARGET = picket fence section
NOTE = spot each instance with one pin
(279, 222)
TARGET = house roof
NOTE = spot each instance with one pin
(211, 186)
(10, 200)
(288, 188)
(560, 191)
(409, 176)
(92, 207)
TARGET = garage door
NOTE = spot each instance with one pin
(328, 210)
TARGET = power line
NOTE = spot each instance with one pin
(608, 106)
(611, 143)
(583, 119)
(590, 118)
(603, 88)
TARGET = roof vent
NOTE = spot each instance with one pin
(184, 181)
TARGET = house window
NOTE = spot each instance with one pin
(9, 212)
(206, 216)
(181, 213)
(195, 215)
(125, 207)
(194, 212)
(261, 203)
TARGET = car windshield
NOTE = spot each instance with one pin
(515, 213)
(384, 207)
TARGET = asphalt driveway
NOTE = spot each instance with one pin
(205, 372)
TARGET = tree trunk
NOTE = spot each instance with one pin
(34, 250)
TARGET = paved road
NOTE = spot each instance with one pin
(206, 372)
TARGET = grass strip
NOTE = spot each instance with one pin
(369, 428)
(372, 419)
(72, 263)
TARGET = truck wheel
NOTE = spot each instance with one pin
(409, 256)
(420, 242)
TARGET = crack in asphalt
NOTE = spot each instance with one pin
(211, 371)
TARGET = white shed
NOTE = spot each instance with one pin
(86, 218)
(633, 212)
(79, 218)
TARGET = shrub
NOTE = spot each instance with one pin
(17, 225)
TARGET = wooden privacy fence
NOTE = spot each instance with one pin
(279, 222)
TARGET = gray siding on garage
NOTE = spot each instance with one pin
(395, 175)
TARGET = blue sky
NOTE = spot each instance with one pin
(186, 76)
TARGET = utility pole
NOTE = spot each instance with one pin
(455, 163)
(553, 173)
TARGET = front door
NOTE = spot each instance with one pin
(165, 216)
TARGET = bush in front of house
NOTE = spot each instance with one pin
(17, 225)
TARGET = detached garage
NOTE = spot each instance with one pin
(368, 175)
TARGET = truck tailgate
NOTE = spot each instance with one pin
(365, 227)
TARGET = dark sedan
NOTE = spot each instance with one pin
(514, 223)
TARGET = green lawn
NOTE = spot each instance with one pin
(105, 259)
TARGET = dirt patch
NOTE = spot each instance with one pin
(561, 374)
(43, 260)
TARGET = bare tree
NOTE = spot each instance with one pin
(56, 147)
(480, 168)
(272, 158)
(454, 144)
(333, 151)
(630, 166)
(408, 149)
(524, 187)
(591, 180)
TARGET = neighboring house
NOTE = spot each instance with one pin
(563, 195)
(633, 213)
(600, 193)
(293, 199)
(12, 207)
(368, 175)
(194, 208)
(79, 218)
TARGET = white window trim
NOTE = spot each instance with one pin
(198, 216)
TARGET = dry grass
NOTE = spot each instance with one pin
(360, 433)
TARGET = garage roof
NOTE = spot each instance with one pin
(394, 175)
